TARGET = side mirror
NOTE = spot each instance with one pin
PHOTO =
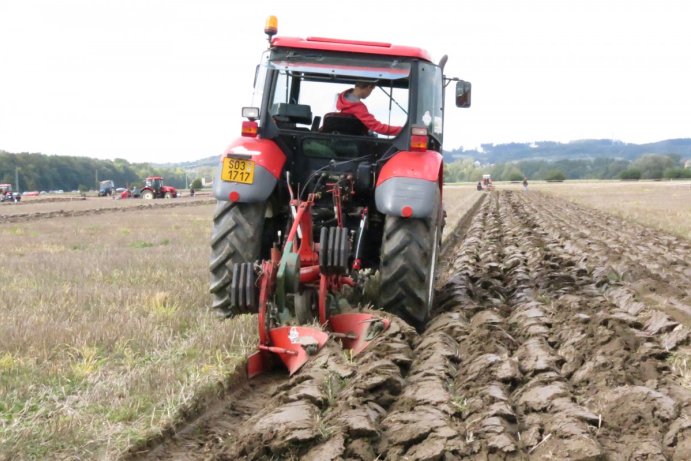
(463, 93)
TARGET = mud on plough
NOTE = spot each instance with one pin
(286, 285)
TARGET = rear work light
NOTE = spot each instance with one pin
(418, 139)
(251, 113)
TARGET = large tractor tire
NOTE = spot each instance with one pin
(410, 249)
(147, 195)
(236, 238)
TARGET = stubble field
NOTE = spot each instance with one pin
(560, 333)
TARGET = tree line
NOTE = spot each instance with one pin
(54, 172)
(647, 166)
(51, 172)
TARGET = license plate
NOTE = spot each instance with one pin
(238, 170)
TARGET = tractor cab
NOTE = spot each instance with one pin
(154, 182)
(298, 84)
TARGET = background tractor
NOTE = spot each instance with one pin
(6, 194)
(154, 188)
(487, 182)
(106, 188)
(310, 204)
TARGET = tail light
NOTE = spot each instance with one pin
(250, 128)
(418, 139)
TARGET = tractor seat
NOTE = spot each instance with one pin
(339, 123)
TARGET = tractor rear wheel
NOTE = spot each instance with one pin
(147, 195)
(236, 238)
(410, 248)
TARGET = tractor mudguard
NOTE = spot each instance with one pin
(409, 179)
(263, 157)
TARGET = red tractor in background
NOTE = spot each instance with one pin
(154, 188)
(487, 183)
(6, 194)
(310, 205)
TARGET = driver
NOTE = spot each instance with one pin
(350, 102)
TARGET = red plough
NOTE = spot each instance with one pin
(303, 268)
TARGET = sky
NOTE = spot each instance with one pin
(165, 80)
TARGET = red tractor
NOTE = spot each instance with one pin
(310, 204)
(6, 194)
(154, 188)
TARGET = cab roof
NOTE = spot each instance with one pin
(351, 46)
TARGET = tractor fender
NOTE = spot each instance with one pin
(410, 179)
(268, 161)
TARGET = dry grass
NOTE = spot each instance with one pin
(680, 364)
(105, 332)
(661, 205)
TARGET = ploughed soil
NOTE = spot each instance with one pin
(559, 332)
(33, 208)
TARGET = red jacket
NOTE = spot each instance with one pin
(359, 110)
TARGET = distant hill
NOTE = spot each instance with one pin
(587, 149)
(205, 162)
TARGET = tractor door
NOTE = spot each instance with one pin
(429, 103)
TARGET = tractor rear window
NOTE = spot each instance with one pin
(305, 89)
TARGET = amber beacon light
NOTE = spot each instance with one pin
(271, 26)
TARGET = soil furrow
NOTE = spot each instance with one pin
(535, 351)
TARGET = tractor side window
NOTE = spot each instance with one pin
(260, 80)
(281, 90)
(430, 99)
(287, 108)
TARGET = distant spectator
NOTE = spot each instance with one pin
(479, 185)
(191, 191)
(525, 183)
